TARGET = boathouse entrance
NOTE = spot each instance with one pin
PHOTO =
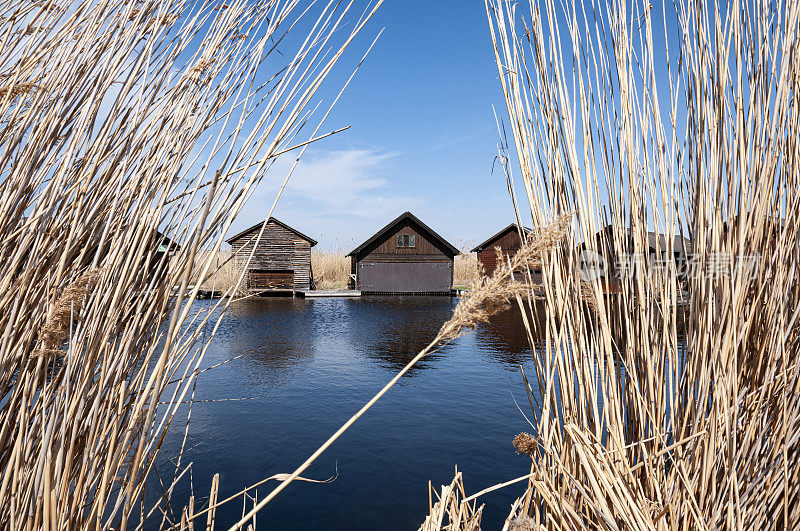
(270, 279)
(394, 277)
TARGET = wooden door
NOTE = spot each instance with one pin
(271, 279)
(405, 277)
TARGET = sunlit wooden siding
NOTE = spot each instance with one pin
(509, 243)
(278, 252)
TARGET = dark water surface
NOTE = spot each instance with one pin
(309, 365)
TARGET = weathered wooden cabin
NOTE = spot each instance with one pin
(610, 261)
(404, 257)
(281, 262)
(509, 242)
(162, 249)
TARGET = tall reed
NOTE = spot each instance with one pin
(651, 413)
(119, 120)
(465, 269)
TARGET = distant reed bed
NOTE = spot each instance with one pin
(121, 123)
(331, 269)
(465, 269)
(223, 276)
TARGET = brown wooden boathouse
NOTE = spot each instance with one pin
(282, 259)
(603, 258)
(509, 242)
(404, 257)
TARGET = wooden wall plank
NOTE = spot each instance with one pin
(278, 249)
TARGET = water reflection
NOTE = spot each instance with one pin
(505, 339)
(273, 333)
(308, 365)
(392, 330)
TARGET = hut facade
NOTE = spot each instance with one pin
(604, 259)
(162, 250)
(282, 258)
(404, 257)
(509, 242)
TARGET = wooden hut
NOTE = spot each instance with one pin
(507, 240)
(404, 257)
(162, 249)
(282, 259)
(603, 259)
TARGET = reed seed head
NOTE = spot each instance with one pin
(525, 444)
(13, 91)
(489, 296)
(65, 311)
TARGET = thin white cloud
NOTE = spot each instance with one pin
(339, 177)
(336, 193)
(346, 182)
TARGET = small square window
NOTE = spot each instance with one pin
(406, 240)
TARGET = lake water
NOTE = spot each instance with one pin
(308, 365)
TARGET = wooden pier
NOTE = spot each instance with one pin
(319, 293)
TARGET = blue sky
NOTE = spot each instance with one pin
(422, 137)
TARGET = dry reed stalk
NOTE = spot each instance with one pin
(116, 144)
(657, 414)
(450, 511)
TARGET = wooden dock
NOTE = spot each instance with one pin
(319, 293)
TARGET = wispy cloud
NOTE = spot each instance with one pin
(341, 180)
(336, 193)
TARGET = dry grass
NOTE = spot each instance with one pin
(109, 133)
(223, 276)
(465, 269)
(331, 269)
(648, 414)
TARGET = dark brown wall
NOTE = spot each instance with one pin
(278, 250)
(260, 279)
(509, 243)
(385, 249)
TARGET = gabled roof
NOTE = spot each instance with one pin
(257, 226)
(165, 244)
(402, 217)
(679, 244)
(654, 240)
(500, 234)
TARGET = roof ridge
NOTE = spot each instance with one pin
(397, 220)
(235, 237)
(497, 234)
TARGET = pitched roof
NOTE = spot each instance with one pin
(654, 240)
(679, 243)
(402, 217)
(257, 226)
(498, 235)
